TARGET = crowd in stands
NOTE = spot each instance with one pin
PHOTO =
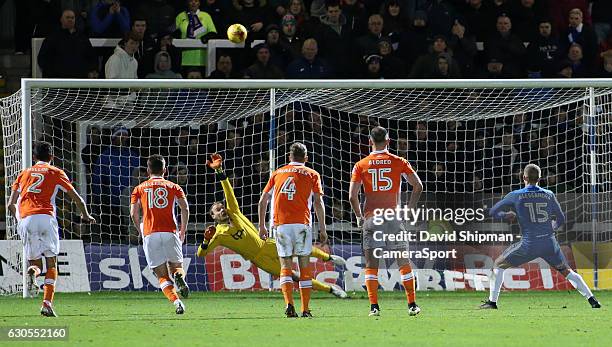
(331, 38)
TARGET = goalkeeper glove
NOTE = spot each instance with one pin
(215, 162)
(209, 233)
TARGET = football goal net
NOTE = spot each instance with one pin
(467, 140)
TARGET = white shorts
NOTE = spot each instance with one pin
(162, 247)
(293, 239)
(40, 235)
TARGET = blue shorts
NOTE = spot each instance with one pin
(525, 251)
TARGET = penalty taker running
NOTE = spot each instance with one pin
(539, 215)
(32, 202)
(380, 174)
(295, 187)
(236, 232)
(162, 243)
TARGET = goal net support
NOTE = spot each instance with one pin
(467, 139)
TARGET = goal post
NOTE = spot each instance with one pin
(466, 138)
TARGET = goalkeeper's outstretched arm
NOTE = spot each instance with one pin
(216, 163)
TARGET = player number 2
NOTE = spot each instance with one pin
(537, 212)
(378, 177)
(288, 188)
(40, 178)
(157, 197)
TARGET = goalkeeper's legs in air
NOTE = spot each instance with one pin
(176, 269)
(167, 287)
(407, 277)
(49, 288)
(320, 254)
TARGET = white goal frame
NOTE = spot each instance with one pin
(589, 86)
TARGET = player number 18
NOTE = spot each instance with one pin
(157, 197)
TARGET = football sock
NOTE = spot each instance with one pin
(319, 254)
(578, 283)
(49, 288)
(408, 282)
(305, 287)
(320, 286)
(34, 269)
(286, 283)
(168, 289)
(371, 282)
(495, 287)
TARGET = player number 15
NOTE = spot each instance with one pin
(378, 177)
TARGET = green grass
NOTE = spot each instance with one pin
(253, 319)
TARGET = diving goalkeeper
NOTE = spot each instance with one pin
(233, 230)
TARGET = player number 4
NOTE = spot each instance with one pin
(378, 177)
(537, 212)
(288, 188)
(157, 198)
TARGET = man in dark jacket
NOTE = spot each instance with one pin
(309, 66)
(543, 51)
(582, 34)
(335, 37)
(67, 53)
(262, 68)
(507, 47)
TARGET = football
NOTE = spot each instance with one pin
(236, 33)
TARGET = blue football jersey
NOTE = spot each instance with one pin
(538, 211)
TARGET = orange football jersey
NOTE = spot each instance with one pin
(38, 186)
(157, 198)
(381, 174)
(294, 185)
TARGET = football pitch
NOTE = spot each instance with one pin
(256, 318)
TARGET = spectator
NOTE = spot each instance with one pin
(111, 175)
(426, 65)
(507, 47)
(392, 66)
(289, 35)
(443, 68)
(542, 52)
(372, 69)
(602, 18)
(225, 68)
(122, 63)
(309, 66)
(356, 15)
(67, 53)
(193, 73)
(298, 10)
(253, 16)
(109, 19)
(164, 44)
(195, 24)
(91, 153)
(559, 9)
(581, 33)
(335, 38)
(219, 12)
(415, 41)
(441, 17)
(394, 19)
(159, 16)
(605, 70)
(478, 20)
(525, 15)
(145, 54)
(580, 69)
(463, 47)
(564, 69)
(163, 67)
(262, 68)
(368, 43)
(280, 53)
(496, 69)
